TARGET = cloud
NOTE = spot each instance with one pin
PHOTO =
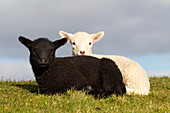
(161, 2)
(131, 27)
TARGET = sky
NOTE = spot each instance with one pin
(137, 29)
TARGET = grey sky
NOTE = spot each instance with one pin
(132, 27)
(139, 29)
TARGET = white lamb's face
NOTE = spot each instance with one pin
(81, 42)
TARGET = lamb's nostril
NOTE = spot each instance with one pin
(43, 60)
(82, 52)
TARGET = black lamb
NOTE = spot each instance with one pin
(59, 74)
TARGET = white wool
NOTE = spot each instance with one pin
(134, 76)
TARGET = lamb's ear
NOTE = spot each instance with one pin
(60, 42)
(96, 37)
(25, 41)
(65, 35)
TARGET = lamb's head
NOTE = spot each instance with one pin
(42, 51)
(81, 42)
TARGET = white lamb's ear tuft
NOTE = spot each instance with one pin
(96, 37)
(65, 35)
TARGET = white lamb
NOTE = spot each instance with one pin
(134, 76)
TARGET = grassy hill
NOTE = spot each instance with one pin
(23, 96)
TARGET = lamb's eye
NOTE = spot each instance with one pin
(34, 49)
(89, 43)
(73, 43)
(51, 50)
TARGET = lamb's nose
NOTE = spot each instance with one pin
(82, 52)
(43, 60)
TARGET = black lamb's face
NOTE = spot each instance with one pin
(42, 51)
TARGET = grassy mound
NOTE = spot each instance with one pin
(23, 96)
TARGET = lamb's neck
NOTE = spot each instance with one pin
(38, 71)
(90, 54)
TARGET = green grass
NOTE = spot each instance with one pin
(23, 96)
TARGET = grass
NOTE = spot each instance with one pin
(23, 96)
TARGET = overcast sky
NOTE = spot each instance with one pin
(138, 29)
